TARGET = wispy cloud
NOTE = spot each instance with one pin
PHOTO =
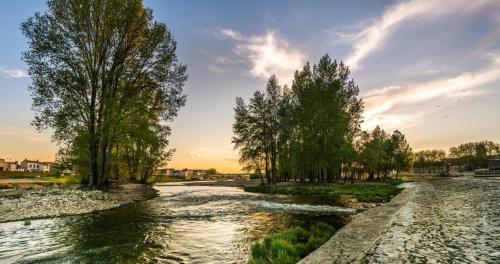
(394, 106)
(372, 37)
(13, 72)
(23, 134)
(266, 54)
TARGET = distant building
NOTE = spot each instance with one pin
(434, 169)
(3, 165)
(494, 165)
(8, 165)
(197, 175)
(36, 166)
(188, 174)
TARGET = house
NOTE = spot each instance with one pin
(36, 166)
(3, 165)
(188, 174)
(197, 175)
(8, 165)
(163, 172)
(12, 165)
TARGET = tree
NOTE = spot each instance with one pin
(307, 130)
(94, 64)
(327, 117)
(256, 130)
(474, 155)
(212, 171)
(400, 152)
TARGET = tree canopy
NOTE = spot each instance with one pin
(106, 79)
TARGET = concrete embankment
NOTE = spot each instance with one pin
(16, 204)
(352, 242)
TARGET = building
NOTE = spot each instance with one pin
(3, 165)
(36, 166)
(494, 165)
(197, 175)
(8, 165)
(188, 174)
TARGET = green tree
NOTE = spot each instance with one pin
(400, 153)
(307, 130)
(327, 115)
(93, 65)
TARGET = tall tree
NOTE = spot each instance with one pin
(93, 65)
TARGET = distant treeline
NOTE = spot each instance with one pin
(468, 156)
(311, 130)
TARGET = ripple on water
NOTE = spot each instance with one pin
(195, 224)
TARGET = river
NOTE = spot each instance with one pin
(185, 224)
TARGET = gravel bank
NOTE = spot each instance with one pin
(352, 242)
(18, 205)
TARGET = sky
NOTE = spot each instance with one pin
(428, 68)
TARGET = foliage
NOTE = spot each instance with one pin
(105, 76)
(429, 157)
(212, 171)
(474, 155)
(380, 153)
(306, 130)
(291, 245)
(363, 192)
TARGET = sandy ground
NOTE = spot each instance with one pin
(18, 204)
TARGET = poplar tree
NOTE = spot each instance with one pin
(94, 65)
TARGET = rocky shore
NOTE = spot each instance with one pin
(18, 204)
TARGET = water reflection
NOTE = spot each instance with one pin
(184, 225)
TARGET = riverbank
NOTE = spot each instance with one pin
(44, 202)
(367, 192)
(353, 242)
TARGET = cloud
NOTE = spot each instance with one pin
(13, 72)
(23, 134)
(266, 54)
(372, 37)
(401, 106)
(231, 33)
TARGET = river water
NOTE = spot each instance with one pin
(446, 221)
(186, 224)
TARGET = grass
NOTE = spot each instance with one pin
(291, 245)
(22, 174)
(372, 193)
(62, 180)
(50, 178)
(164, 178)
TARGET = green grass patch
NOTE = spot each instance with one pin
(372, 193)
(62, 180)
(165, 178)
(291, 245)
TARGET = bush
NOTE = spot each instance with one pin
(291, 245)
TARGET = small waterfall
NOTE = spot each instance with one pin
(303, 208)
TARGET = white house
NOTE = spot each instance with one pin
(31, 165)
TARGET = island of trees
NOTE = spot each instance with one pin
(311, 130)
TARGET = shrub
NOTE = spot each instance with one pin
(291, 245)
